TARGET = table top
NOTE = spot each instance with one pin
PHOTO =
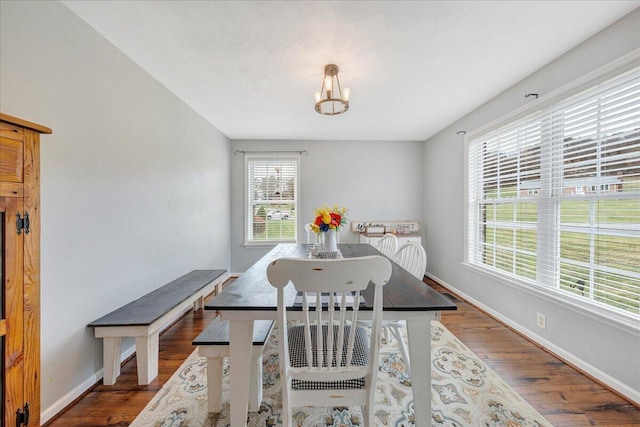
(252, 290)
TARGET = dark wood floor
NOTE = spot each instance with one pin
(561, 394)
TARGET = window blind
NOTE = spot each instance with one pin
(272, 188)
(554, 197)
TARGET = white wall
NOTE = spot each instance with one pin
(375, 180)
(608, 352)
(135, 184)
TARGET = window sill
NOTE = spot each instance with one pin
(263, 244)
(626, 323)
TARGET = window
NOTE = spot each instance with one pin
(272, 197)
(579, 234)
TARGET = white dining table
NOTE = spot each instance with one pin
(251, 297)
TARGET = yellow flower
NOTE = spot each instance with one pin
(321, 210)
(326, 217)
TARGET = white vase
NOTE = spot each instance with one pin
(330, 241)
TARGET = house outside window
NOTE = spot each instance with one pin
(271, 199)
(554, 197)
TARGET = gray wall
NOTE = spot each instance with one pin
(604, 349)
(136, 191)
(375, 180)
(135, 184)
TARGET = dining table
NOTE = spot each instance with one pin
(251, 297)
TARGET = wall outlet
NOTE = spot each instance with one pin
(541, 320)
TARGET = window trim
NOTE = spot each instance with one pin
(268, 156)
(615, 317)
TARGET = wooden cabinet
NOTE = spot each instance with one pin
(20, 270)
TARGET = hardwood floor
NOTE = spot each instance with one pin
(561, 394)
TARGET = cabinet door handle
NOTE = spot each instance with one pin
(26, 229)
(19, 223)
(22, 223)
(22, 418)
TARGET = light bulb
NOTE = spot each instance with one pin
(346, 93)
(317, 96)
(328, 83)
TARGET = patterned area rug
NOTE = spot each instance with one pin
(465, 392)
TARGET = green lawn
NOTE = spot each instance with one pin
(277, 229)
(514, 250)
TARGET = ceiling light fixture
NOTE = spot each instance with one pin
(331, 100)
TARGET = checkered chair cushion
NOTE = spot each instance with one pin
(298, 356)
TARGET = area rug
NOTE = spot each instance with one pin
(465, 392)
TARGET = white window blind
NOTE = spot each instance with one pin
(272, 196)
(554, 197)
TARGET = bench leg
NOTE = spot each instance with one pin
(255, 388)
(147, 358)
(198, 303)
(214, 383)
(111, 354)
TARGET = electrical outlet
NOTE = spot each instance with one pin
(541, 320)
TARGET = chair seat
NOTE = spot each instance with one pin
(298, 356)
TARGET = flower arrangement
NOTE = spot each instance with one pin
(329, 218)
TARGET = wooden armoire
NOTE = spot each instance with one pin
(20, 270)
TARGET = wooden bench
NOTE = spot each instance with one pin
(213, 344)
(145, 317)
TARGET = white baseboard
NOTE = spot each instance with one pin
(50, 412)
(621, 388)
(64, 401)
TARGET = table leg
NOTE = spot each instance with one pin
(240, 343)
(419, 338)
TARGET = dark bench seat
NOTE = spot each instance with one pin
(145, 317)
(213, 343)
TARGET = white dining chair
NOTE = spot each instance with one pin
(388, 245)
(343, 372)
(311, 235)
(412, 257)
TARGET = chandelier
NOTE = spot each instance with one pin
(331, 100)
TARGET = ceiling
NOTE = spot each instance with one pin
(251, 68)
